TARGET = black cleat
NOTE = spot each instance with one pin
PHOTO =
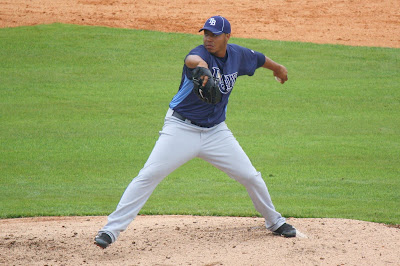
(102, 240)
(285, 230)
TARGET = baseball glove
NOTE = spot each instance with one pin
(209, 93)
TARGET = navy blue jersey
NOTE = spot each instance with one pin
(238, 61)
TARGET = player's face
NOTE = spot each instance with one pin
(216, 44)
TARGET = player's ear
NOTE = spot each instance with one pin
(228, 35)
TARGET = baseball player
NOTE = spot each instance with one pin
(194, 127)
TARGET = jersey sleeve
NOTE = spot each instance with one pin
(260, 59)
(250, 60)
(202, 52)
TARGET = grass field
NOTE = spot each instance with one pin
(81, 108)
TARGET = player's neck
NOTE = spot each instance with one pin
(224, 58)
(221, 54)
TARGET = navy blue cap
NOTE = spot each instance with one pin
(217, 25)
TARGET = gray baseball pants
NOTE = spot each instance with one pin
(179, 142)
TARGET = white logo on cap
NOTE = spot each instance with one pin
(212, 21)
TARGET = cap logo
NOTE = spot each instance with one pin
(216, 25)
(212, 21)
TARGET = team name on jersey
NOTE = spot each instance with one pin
(226, 81)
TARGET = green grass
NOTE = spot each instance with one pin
(81, 108)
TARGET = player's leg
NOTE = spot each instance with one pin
(177, 144)
(222, 150)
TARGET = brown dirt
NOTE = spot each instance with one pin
(189, 240)
(349, 22)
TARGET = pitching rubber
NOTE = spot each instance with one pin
(300, 234)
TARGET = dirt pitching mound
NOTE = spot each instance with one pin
(194, 240)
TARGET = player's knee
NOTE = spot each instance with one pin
(248, 179)
(150, 176)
